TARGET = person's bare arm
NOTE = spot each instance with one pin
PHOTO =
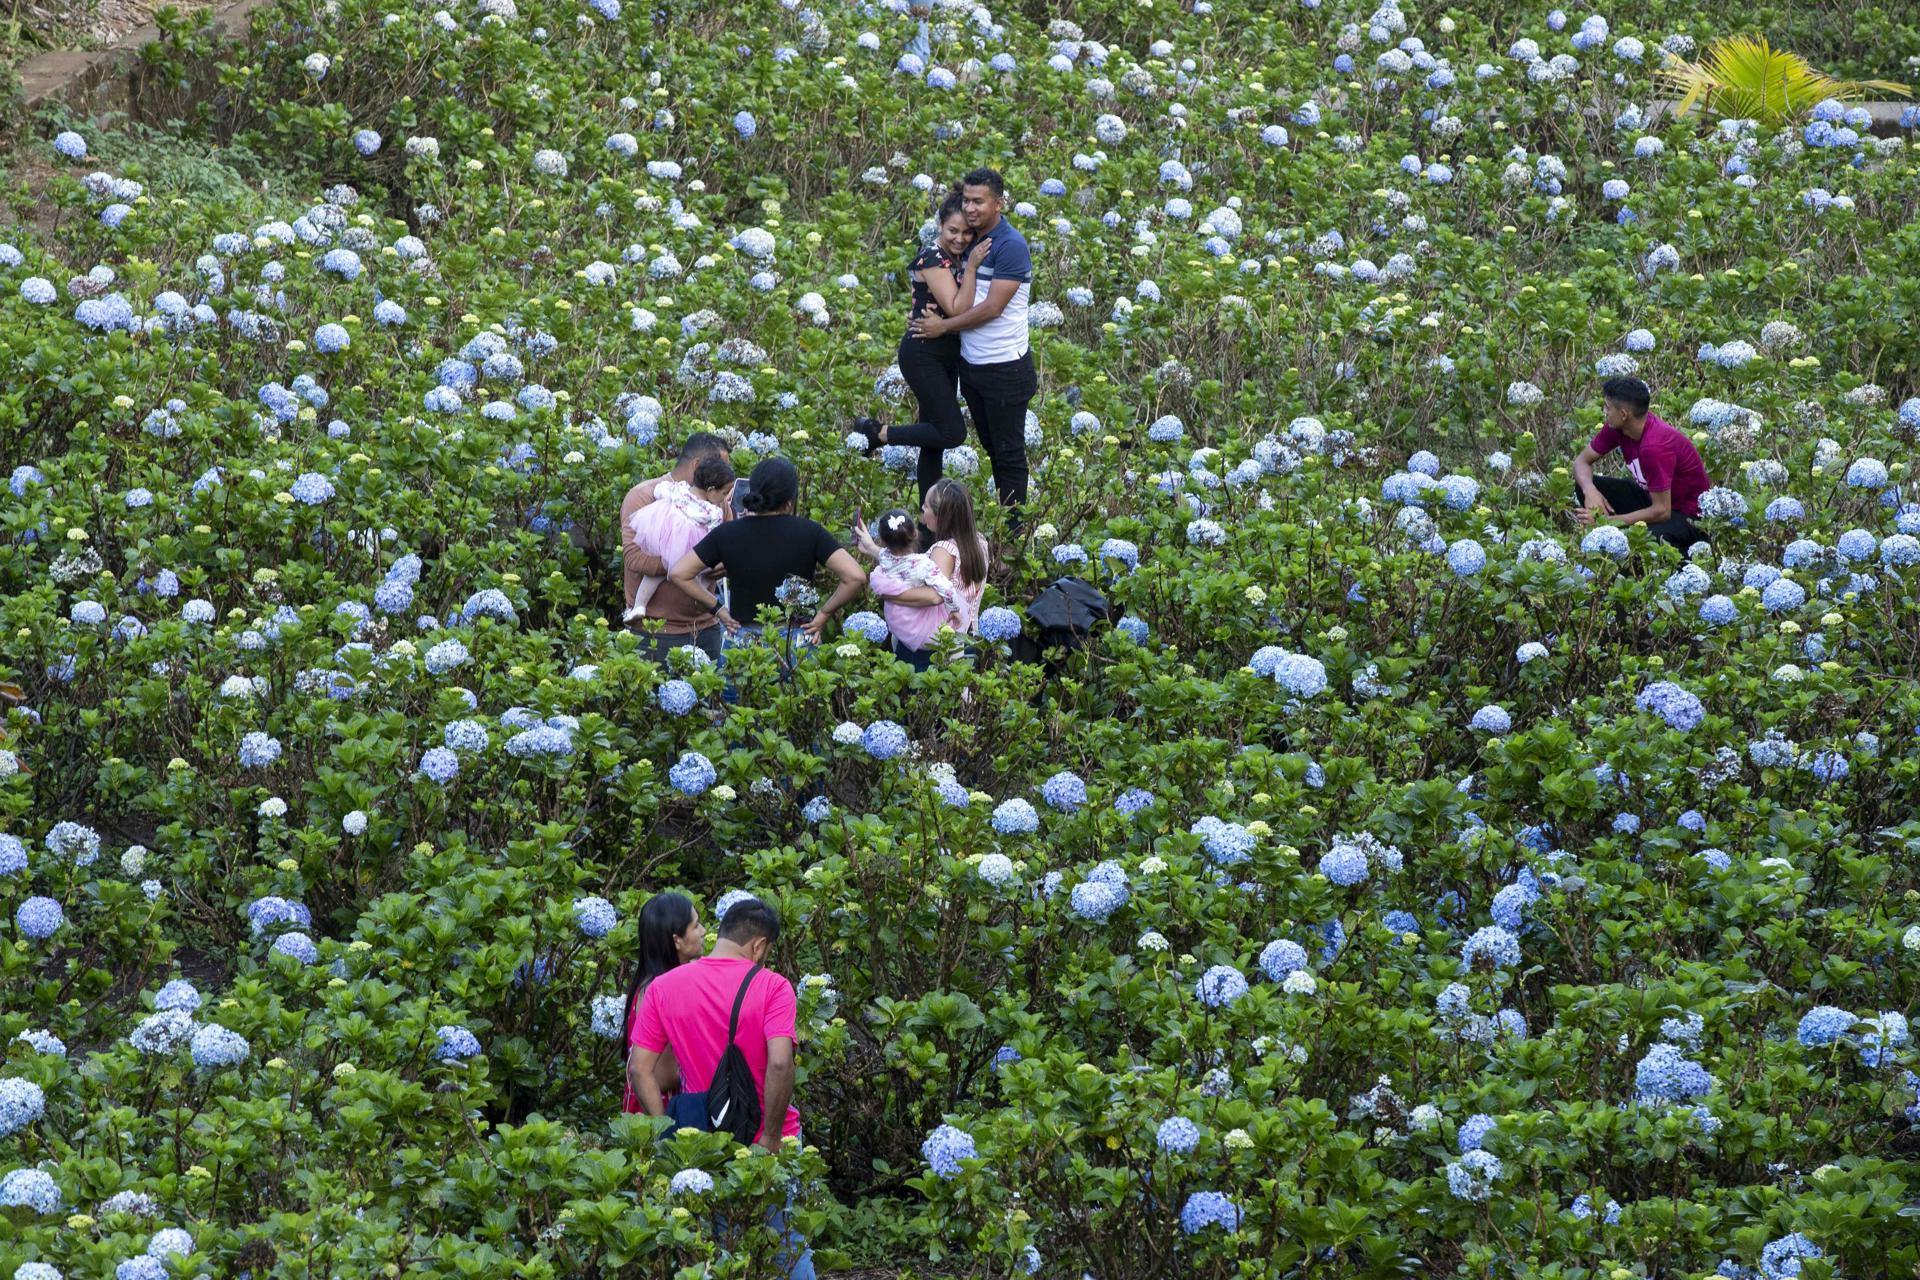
(641, 1066)
(918, 597)
(636, 560)
(999, 294)
(954, 296)
(685, 575)
(779, 1093)
(666, 1072)
(1659, 507)
(853, 580)
(1583, 477)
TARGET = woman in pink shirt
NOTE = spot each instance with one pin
(671, 934)
(941, 588)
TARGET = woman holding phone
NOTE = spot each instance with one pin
(762, 551)
(942, 278)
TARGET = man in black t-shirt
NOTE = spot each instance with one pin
(766, 547)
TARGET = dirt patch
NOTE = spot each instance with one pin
(90, 55)
(97, 25)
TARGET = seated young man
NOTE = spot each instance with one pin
(1668, 475)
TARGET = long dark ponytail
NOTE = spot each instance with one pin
(952, 508)
(662, 921)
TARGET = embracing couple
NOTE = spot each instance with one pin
(968, 332)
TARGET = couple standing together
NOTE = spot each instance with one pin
(968, 332)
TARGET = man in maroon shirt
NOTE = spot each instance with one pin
(1668, 476)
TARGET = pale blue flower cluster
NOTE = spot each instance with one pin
(945, 1148)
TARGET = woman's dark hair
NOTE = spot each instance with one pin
(712, 472)
(896, 531)
(986, 178)
(952, 206)
(952, 507)
(662, 921)
(1630, 392)
(774, 485)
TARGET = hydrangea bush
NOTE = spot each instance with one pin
(1409, 881)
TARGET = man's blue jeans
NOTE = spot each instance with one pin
(795, 1258)
(794, 1254)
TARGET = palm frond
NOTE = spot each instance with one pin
(1745, 76)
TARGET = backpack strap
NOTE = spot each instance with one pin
(733, 1021)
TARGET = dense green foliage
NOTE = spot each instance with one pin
(227, 526)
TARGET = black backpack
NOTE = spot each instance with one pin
(730, 1103)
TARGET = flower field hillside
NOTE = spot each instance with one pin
(1403, 879)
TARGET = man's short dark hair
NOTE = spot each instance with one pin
(1630, 392)
(703, 444)
(986, 178)
(748, 920)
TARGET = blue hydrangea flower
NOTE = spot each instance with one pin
(1281, 958)
(945, 1148)
(1665, 1075)
(1344, 864)
(692, 775)
(690, 1182)
(1132, 801)
(1064, 792)
(1718, 611)
(1492, 719)
(883, 740)
(457, 1044)
(1679, 708)
(1466, 558)
(1209, 1209)
(21, 1103)
(1472, 1177)
(999, 624)
(1783, 595)
(1227, 843)
(676, 697)
(1473, 1132)
(258, 750)
(439, 764)
(446, 656)
(1015, 818)
(817, 810)
(1491, 947)
(1220, 986)
(1780, 1259)
(298, 945)
(1822, 1025)
(214, 1047)
(595, 916)
(489, 602)
(1301, 676)
(1177, 1136)
(465, 735)
(32, 1189)
(867, 625)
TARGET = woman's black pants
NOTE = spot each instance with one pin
(932, 370)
